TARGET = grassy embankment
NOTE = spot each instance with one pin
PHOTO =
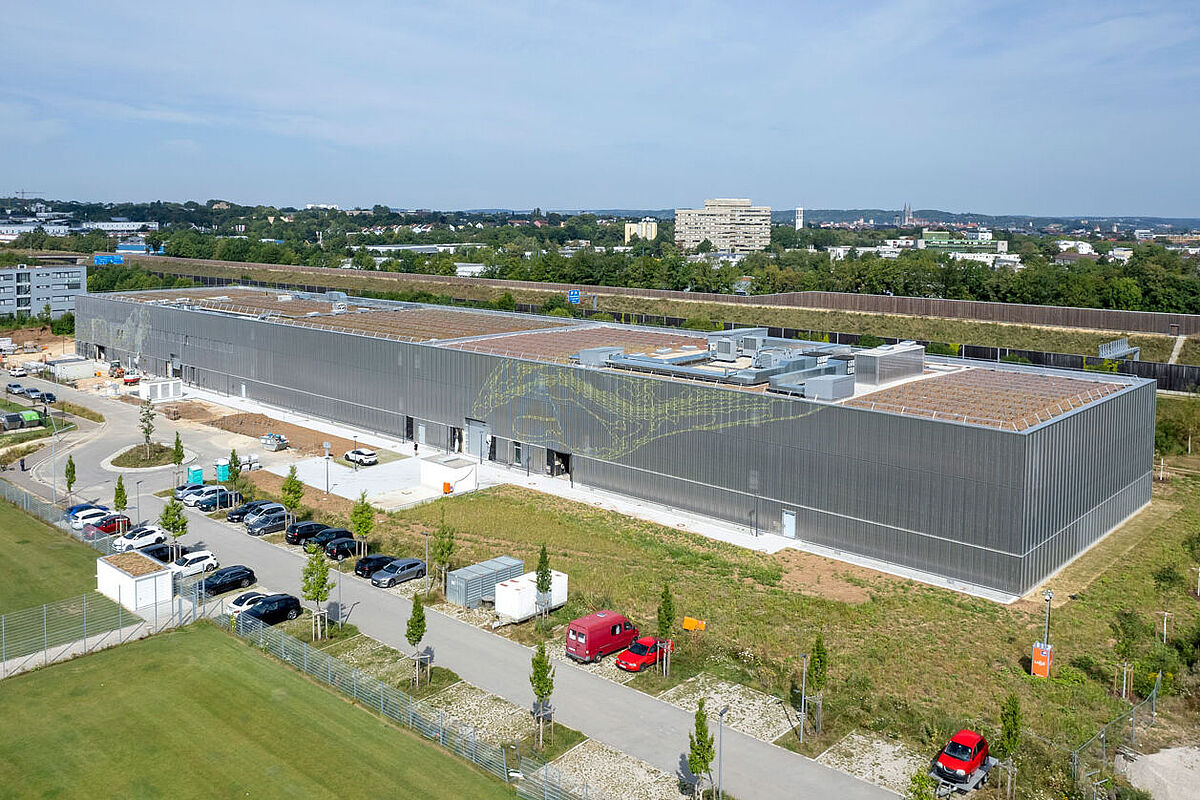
(197, 713)
(39, 564)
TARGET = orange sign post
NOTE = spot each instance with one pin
(1043, 655)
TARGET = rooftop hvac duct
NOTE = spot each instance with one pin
(889, 363)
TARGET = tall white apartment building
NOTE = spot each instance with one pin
(733, 225)
(799, 217)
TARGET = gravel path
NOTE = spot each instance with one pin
(496, 720)
(882, 762)
(612, 775)
(751, 712)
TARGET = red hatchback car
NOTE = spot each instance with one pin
(106, 526)
(962, 757)
(645, 652)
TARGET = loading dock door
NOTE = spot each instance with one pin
(420, 433)
(789, 524)
(477, 438)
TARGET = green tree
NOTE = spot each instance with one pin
(235, 468)
(543, 583)
(292, 491)
(362, 518)
(541, 680)
(173, 521)
(146, 424)
(818, 665)
(441, 551)
(666, 622)
(315, 584)
(177, 451)
(120, 498)
(1010, 728)
(921, 786)
(414, 632)
(69, 473)
(700, 747)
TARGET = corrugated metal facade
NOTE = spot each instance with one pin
(987, 507)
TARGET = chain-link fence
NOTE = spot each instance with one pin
(534, 778)
(1096, 754)
(53, 514)
(34, 637)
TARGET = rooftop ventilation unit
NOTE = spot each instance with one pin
(752, 344)
(726, 350)
(283, 298)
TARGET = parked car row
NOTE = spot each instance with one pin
(36, 395)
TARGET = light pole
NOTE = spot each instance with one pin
(326, 445)
(1047, 596)
(720, 749)
(356, 458)
(138, 487)
(427, 563)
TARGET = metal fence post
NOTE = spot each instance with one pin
(354, 678)
(3, 650)
(45, 636)
(305, 652)
(85, 623)
(120, 617)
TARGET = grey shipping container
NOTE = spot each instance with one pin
(11, 421)
(466, 586)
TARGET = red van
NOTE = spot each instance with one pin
(593, 637)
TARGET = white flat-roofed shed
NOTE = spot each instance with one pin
(133, 580)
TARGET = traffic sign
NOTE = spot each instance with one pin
(572, 295)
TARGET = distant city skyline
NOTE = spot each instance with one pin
(1076, 110)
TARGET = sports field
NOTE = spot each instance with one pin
(39, 564)
(196, 713)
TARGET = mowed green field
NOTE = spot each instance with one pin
(39, 564)
(196, 713)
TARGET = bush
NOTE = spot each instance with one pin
(1013, 358)
(941, 349)
(1167, 577)
(700, 324)
(869, 340)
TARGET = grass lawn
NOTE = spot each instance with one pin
(135, 457)
(197, 713)
(38, 563)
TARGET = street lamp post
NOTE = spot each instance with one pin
(138, 487)
(326, 445)
(720, 750)
(1047, 596)
(426, 563)
(356, 447)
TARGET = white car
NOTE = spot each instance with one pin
(141, 536)
(263, 511)
(191, 498)
(89, 515)
(194, 563)
(243, 601)
(18, 372)
(362, 456)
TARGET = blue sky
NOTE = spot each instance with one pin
(1040, 108)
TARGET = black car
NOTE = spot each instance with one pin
(49, 398)
(227, 578)
(238, 514)
(222, 498)
(273, 608)
(272, 523)
(166, 553)
(300, 532)
(317, 543)
(341, 549)
(369, 565)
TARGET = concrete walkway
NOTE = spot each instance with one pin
(623, 718)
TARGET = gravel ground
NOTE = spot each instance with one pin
(882, 762)
(607, 668)
(1171, 774)
(751, 712)
(611, 774)
(496, 720)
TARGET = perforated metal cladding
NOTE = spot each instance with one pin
(991, 507)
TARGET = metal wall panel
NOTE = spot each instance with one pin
(983, 506)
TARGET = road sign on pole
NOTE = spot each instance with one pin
(573, 296)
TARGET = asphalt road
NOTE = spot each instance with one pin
(623, 718)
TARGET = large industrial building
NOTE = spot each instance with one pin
(730, 225)
(987, 476)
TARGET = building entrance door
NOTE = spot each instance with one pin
(789, 524)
